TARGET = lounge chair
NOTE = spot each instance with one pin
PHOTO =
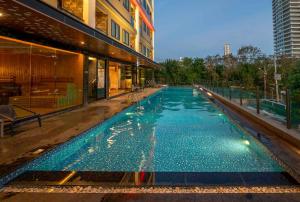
(9, 116)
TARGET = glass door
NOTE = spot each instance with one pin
(92, 81)
(101, 80)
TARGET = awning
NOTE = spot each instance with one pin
(38, 22)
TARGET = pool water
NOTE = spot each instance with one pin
(175, 130)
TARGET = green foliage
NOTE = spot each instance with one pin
(250, 68)
(185, 72)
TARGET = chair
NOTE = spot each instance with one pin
(9, 116)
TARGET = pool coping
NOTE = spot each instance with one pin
(156, 179)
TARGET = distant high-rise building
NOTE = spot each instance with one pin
(286, 23)
(227, 50)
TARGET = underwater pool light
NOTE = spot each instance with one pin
(246, 142)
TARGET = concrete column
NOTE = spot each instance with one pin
(137, 27)
(153, 45)
(134, 75)
(153, 32)
(89, 12)
(85, 80)
(106, 78)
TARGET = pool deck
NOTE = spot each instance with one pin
(29, 139)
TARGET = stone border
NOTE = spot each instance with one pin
(142, 190)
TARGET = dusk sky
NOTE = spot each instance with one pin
(197, 28)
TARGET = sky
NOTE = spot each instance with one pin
(197, 28)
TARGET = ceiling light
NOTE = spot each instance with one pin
(1, 14)
(82, 43)
(92, 59)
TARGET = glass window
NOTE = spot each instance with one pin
(120, 78)
(75, 7)
(125, 37)
(144, 26)
(101, 79)
(92, 79)
(144, 4)
(148, 31)
(96, 84)
(101, 21)
(144, 50)
(115, 30)
(126, 4)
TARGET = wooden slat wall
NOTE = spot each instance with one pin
(17, 65)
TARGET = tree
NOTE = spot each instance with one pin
(187, 71)
(248, 54)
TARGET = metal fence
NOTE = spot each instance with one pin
(284, 109)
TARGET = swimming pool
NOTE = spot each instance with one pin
(177, 130)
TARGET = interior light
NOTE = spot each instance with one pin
(201, 89)
(209, 94)
(1, 14)
(82, 42)
(92, 59)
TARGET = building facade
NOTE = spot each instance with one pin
(227, 50)
(286, 25)
(59, 54)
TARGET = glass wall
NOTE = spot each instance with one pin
(92, 79)
(39, 78)
(141, 77)
(74, 7)
(120, 78)
(101, 80)
(96, 79)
